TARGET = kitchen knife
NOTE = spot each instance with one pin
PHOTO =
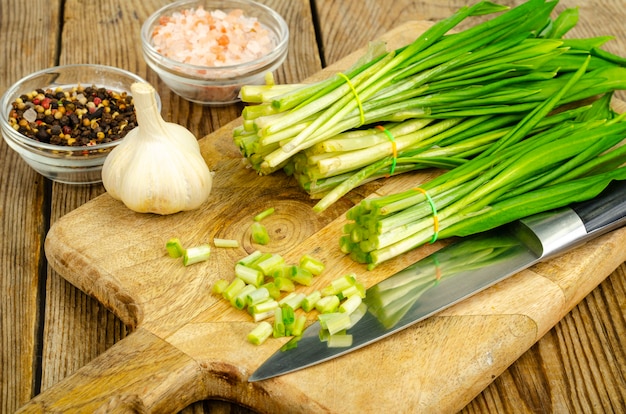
(456, 272)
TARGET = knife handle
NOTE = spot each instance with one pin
(605, 212)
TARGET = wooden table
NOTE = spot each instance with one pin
(49, 329)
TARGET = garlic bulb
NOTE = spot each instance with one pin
(158, 167)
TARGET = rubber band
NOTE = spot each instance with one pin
(434, 208)
(356, 96)
(394, 148)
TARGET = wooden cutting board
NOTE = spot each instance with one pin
(188, 345)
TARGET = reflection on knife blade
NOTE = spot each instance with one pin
(390, 300)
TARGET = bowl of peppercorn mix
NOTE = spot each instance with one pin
(205, 50)
(64, 121)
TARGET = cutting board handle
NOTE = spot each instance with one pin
(140, 373)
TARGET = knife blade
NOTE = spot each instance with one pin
(457, 272)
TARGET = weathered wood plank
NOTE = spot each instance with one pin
(28, 44)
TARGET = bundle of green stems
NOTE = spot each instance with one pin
(564, 163)
(462, 101)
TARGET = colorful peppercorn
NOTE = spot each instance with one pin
(81, 116)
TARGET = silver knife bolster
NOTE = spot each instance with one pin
(551, 233)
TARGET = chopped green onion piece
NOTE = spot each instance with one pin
(311, 264)
(270, 264)
(196, 254)
(327, 304)
(260, 234)
(298, 326)
(340, 340)
(358, 313)
(350, 305)
(258, 317)
(241, 299)
(257, 295)
(322, 318)
(308, 304)
(329, 291)
(279, 326)
(264, 214)
(272, 289)
(338, 285)
(282, 271)
(356, 289)
(246, 261)
(289, 296)
(262, 307)
(284, 284)
(324, 335)
(225, 242)
(301, 276)
(289, 319)
(258, 259)
(293, 300)
(249, 275)
(174, 248)
(233, 289)
(289, 315)
(260, 333)
(335, 321)
(220, 286)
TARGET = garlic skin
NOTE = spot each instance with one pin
(158, 167)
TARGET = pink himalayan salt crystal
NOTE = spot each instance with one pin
(211, 38)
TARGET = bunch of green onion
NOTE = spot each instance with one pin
(524, 173)
(518, 115)
(437, 102)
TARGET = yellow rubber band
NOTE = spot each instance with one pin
(394, 147)
(434, 209)
(356, 96)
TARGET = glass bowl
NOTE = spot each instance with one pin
(63, 163)
(215, 85)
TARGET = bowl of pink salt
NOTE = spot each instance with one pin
(205, 50)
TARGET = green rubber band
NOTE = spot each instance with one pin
(356, 96)
(434, 209)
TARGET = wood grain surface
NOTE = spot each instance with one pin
(49, 329)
